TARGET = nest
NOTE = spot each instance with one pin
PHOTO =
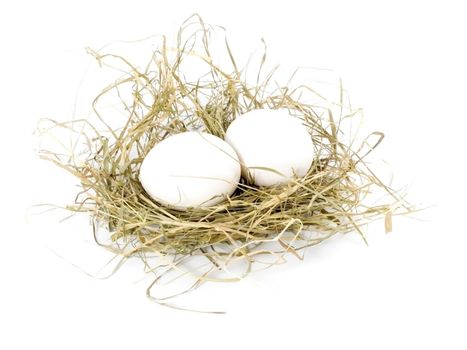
(258, 226)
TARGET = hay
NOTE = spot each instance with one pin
(253, 223)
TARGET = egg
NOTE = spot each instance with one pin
(272, 145)
(190, 169)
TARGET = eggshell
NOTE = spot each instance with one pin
(272, 139)
(190, 169)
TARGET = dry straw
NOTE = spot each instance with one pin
(257, 226)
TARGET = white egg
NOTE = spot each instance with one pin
(273, 146)
(190, 169)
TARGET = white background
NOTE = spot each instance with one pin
(404, 62)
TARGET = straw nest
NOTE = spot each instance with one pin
(254, 224)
